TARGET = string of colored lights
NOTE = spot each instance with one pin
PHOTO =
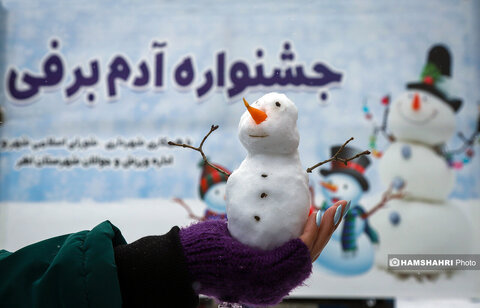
(456, 159)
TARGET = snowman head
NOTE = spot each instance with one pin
(270, 125)
(421, 117)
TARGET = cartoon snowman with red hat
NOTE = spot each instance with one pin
(350, 250)
(421, 121)
(212, 188)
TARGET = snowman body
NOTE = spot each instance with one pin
(268, 200)
(267, 197)
(421, 228)
(426, 173)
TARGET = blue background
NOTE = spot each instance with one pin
(378, 46)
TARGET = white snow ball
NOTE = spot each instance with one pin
(267, 202)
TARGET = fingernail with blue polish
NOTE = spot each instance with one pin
(347, 207)
(336, 218)
(319, 218)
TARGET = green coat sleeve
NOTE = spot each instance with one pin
(74, 270)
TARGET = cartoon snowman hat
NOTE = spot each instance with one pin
(356, 167)
(436, 77)
(211, 176)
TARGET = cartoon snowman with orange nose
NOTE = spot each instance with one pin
(421, 121)
(351, 249)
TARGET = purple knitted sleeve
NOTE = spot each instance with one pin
(231, 271)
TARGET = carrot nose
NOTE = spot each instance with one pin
(329, 186)
(416, 103)
(258, 115)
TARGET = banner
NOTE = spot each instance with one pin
(93, 92)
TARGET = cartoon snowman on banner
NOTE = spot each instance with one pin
(212, 188)
(421, 121)
(350, 250)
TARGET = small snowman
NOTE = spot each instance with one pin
(421, 121)
(350, 250)
(268, 197)
(212, 188)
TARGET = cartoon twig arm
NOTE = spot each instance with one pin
(387, 196)
(188, 209)
(468, 142)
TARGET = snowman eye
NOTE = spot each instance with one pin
(345, 186)
(217, 192)
(424, 99)
(278, 104)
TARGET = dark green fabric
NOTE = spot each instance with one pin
(75, 270)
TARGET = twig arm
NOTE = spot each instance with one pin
(336, 158)
(200, 149)
(387, 196)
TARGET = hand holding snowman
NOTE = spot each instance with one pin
(267, 196)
